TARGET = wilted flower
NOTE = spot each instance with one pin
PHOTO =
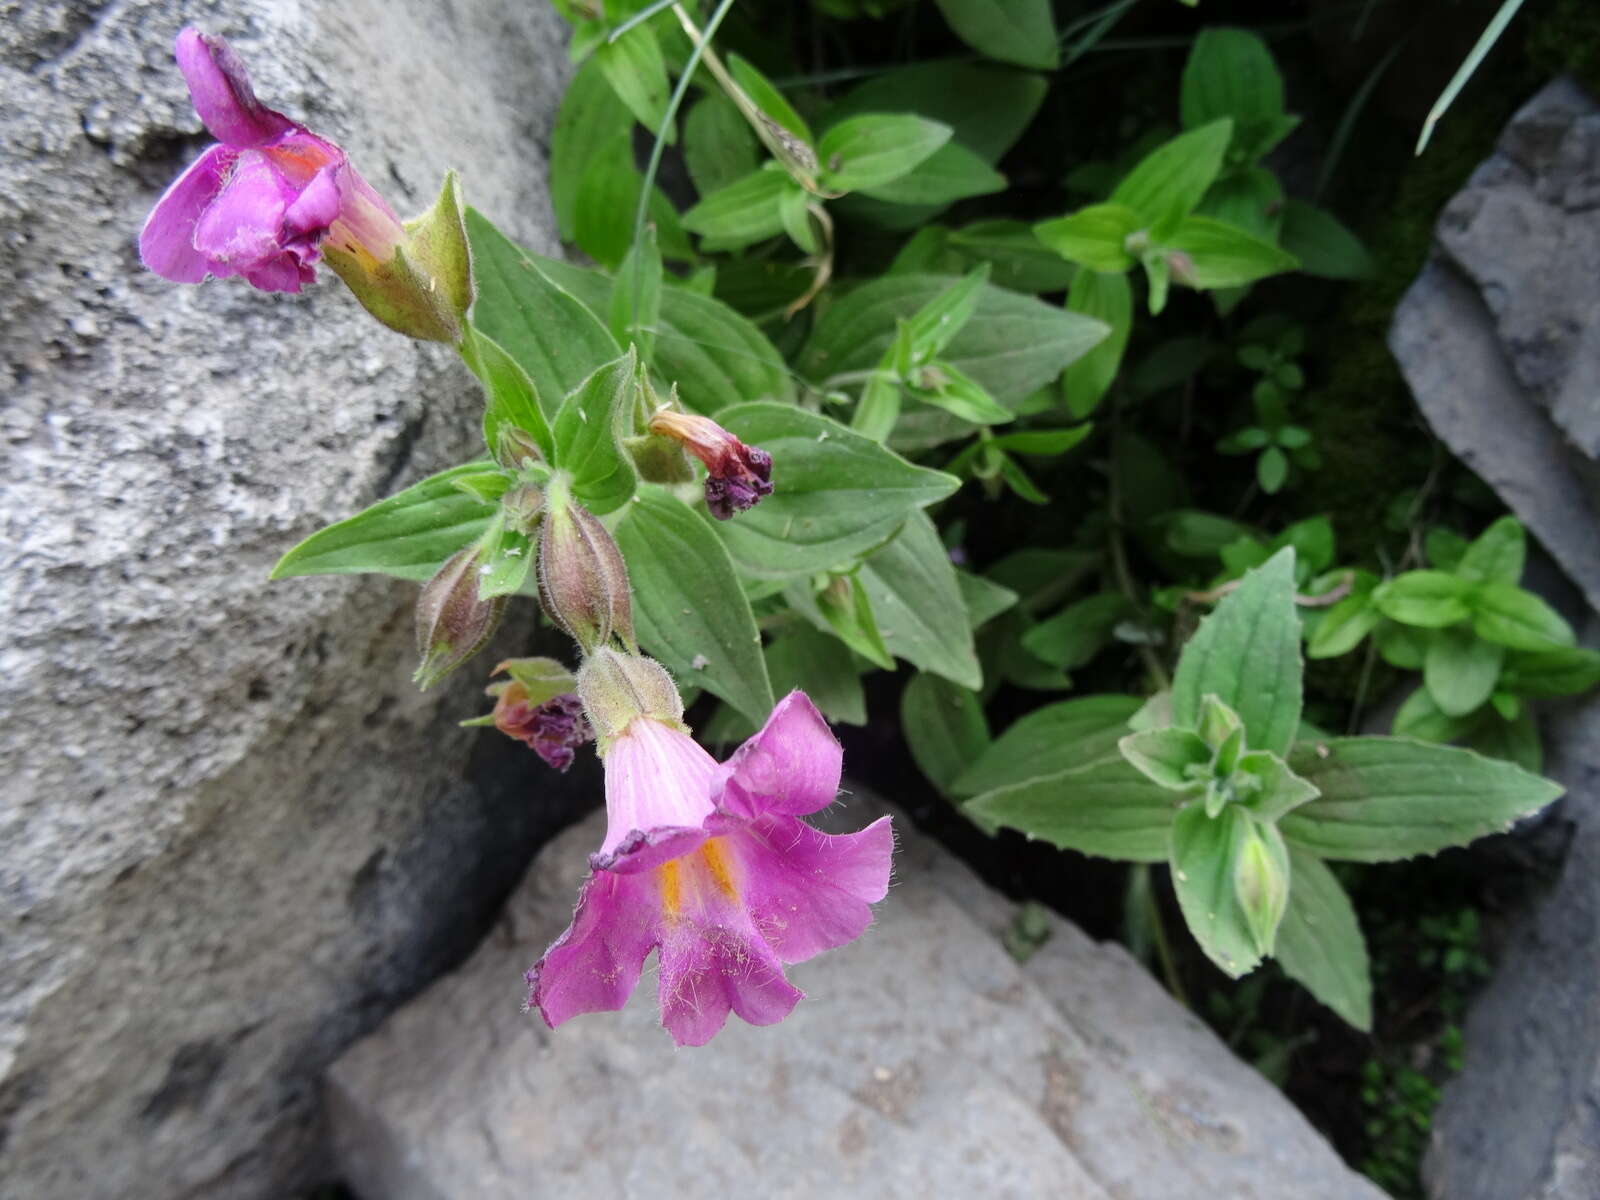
(263, 203)
(737, 475)
(553, 729)
(711, 866)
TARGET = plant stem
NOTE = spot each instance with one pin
(701, 46)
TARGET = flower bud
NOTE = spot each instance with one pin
(737, 476)
(583, 582)
(419, 284)
(523, 505)
(516, 450)
(616, 687)
(1261, 879)
(452, 622)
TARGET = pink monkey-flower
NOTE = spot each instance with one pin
(267, 199)
(710, 865)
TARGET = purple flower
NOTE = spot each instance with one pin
(553, 730)
(737, 475)
(263, 202)
(711, 866)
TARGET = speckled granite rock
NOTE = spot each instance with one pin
(924, 1063)
(232, 835)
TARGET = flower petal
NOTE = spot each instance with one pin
(792, 766)
(220, 88)
(708, 970)
(642, 849)
(167, 242)
(595, 965)
(657, 778)
(241, 228)
(808, 891)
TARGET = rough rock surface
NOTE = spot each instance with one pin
(1534, 1033)
(1499, 337)
(925, 1062)
(232, 835)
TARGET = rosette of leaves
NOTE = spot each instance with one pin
(1219, 780)
(1485, 645)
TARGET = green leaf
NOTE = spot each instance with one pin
(1176, 759)
(1272, 469)
(714, 355)
(588, 431)
(1344, 625)
(1421, 717)
(932, 326)
(918, 605)
(1499, 553)
(1320, 943)
(1280, 790)
(1095, 237)
(1460, 670)
(1106, 298)
(1059, 737)
(768, 98)
(1013, 31)
(1222, 256)
(1562, 672)
(637, 73)
(1077, 633)
(835, 494)
(1251, 200)
(794, 207)
(1012, 346)
(870, 151)
(822, 668)
(1515, 739)
(719, 146)
(510, 557)
(986, 106)
(1105, 808)
(946, 387)
(1505, 614)
(635, 308)
(944, 727)
(689, 609)
(950, 173)
(1230, 73)
(513, 402)
(745, 211)
(1247, 654)
(1428, 599)
(1169, 181)
(607, 194)
(409, 535)
(1324, 247)
(1391, 798)
(1204, 860)
(1020, 261)
(552, 336)
(844, 607)
(589, 125)
(984, 599)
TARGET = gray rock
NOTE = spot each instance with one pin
(924, 1062)
(1499, 337)
(1522, 1121)
(232, 834)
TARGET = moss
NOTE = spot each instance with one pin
(1565, 39)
